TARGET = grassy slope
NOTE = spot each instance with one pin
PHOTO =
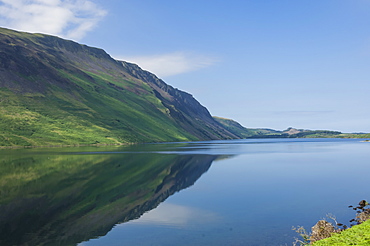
(354, 135)
(61, 119)
(357, 235)
(87, 105)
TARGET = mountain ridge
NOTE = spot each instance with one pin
(56, 92)
(47, 83)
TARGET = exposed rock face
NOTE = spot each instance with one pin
(291, 131)
(365, 212)
(321, 230)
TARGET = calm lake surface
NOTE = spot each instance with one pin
(237, 192)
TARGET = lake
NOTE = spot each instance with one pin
(232, 192)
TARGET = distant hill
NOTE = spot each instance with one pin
(58, 92)
(243, 132)
(290, 132)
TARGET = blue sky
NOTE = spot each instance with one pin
(263, 63)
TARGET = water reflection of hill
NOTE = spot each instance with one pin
(63, 199)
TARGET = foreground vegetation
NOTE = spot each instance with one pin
(325, 233)
(357, 235)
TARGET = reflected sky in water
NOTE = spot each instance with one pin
(173, 215)
(254, 192)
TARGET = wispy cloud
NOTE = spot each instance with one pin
(173, 63)
(66, 18)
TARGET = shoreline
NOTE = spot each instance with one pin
(133, 143)
(63, 145)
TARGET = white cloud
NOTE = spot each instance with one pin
(172, 63)
(66, 18)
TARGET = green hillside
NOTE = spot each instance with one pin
(58, 92)
(244, 132)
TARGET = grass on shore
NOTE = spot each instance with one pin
(357, 235)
